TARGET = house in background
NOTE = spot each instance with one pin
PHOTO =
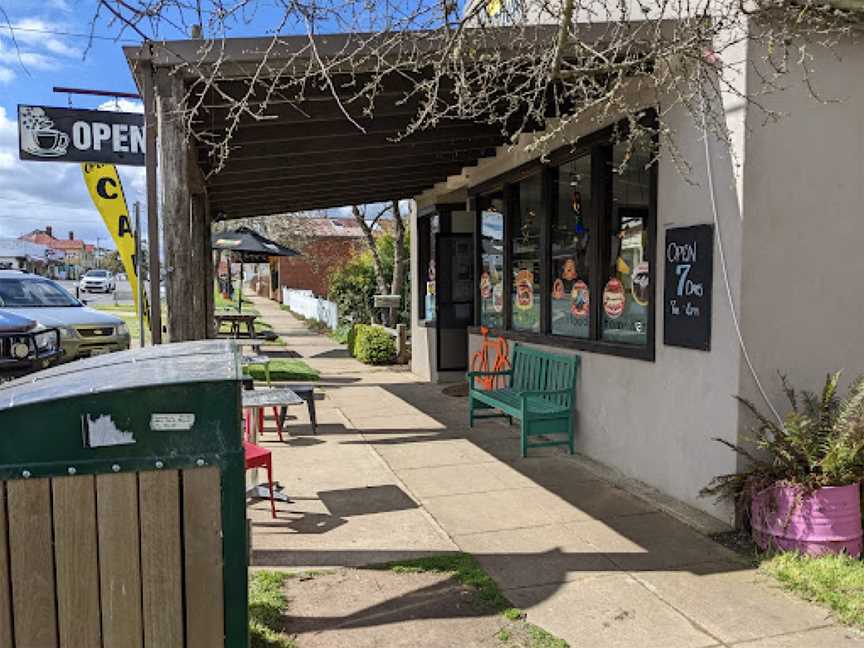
(16, 254)
(324, 243)
(74, 256)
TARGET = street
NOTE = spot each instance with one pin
(123, 294)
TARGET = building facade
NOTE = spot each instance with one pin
(653, 279)
(23, 255)
(71, 257)
(324, 243)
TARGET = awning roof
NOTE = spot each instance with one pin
(305, 153)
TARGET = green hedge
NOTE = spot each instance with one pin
(371, 344)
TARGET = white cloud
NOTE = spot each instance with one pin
(122, 105)
(29, 44)
(35, 33)
(6, 75)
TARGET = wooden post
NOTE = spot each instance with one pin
(209, 305)
(402, 344)
(198, 262)
(150, 122)
(183, 218)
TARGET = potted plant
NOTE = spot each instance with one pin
(801, 487)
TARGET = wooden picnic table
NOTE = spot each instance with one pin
(236, 321)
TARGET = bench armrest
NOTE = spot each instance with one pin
(471, 375)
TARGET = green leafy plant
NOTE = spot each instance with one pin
(373, 345)
(820, 443)
(352, 285)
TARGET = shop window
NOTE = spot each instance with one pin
(578, 242)
(525, 255)
(570, 289)
(492, 263)
(627, 282)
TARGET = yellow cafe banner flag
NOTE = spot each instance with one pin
(106, 190)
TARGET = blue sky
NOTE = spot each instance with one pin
(52, 52)
(36, 194)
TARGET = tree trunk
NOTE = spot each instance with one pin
(380, 280)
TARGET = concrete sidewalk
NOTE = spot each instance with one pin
(394, 472)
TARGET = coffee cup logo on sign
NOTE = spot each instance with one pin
(38, 135)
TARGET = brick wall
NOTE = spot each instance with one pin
(309, 270)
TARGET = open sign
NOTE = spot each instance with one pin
(71, 135)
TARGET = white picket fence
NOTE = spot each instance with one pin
(304, 303)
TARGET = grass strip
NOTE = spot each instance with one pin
(267, 606)
(285, 369)
(836, 581)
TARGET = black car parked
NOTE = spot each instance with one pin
(25, 347)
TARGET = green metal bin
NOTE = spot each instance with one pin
(122, 505)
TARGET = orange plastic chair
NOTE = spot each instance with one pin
(480, 361)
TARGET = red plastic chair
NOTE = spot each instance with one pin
(258, 457)
(279, 428)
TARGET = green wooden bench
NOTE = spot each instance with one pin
(540, 392)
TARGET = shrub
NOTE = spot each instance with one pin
(374, 345)
(820, 443)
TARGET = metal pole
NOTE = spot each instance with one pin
(152, 206)
(240, 290)
(138, 273)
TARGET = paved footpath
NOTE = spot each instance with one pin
(395, 472)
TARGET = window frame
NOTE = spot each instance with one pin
(425, 237)
(599, 146)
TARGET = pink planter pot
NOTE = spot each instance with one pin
(828, 520)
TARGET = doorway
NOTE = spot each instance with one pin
(454, 260)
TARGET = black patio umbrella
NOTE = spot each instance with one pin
(250, 247)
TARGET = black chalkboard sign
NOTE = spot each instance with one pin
(689, 272)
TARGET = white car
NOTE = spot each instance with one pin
(98, 281)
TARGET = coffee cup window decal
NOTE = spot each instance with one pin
(558, 289)
(580, 300)
(641, 284)
(498, 297)
(568, 273)
(524, 290)
(485, 286)
(614, 298)
(38, 135)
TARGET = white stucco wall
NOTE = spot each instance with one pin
(804, 228)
